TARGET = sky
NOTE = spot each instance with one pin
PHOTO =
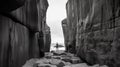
(55, 14)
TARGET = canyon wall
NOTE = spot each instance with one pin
(65, 31)
(22, 26)
(93, 28)
(47, 38)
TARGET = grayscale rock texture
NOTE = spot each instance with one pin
(22, 26)
(92, 30)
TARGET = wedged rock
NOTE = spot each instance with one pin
(75, 60)
(55, 61)
(61, 64)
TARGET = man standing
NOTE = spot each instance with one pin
(56, 46)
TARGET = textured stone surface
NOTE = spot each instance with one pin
(96, 28)
(20, 24)
(71, 25)
(61, 64)
(65, 31)
(47, 38)
(52, 62)
(14, 43)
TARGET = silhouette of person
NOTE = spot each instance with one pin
(57, 46)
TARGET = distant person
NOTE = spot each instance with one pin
(56, 46)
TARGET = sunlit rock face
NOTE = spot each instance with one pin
(65, 32)
(20, 27)
(95, 24)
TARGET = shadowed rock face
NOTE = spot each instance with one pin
(71, 24)
(94, 26)
(20, 24)
(47, 38)
(10, 5)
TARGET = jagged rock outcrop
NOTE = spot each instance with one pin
(21, 29)
(95, 24)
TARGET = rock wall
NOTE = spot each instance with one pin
(9, 5)
(71, 24)
(94, 25)
(20, 31)
(47, 38)
(65, 32)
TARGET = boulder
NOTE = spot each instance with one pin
(61, 64)
(75, 60)
(55, 61)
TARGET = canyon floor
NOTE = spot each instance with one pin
(58, 59)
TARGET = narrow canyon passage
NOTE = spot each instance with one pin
(59, 33)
